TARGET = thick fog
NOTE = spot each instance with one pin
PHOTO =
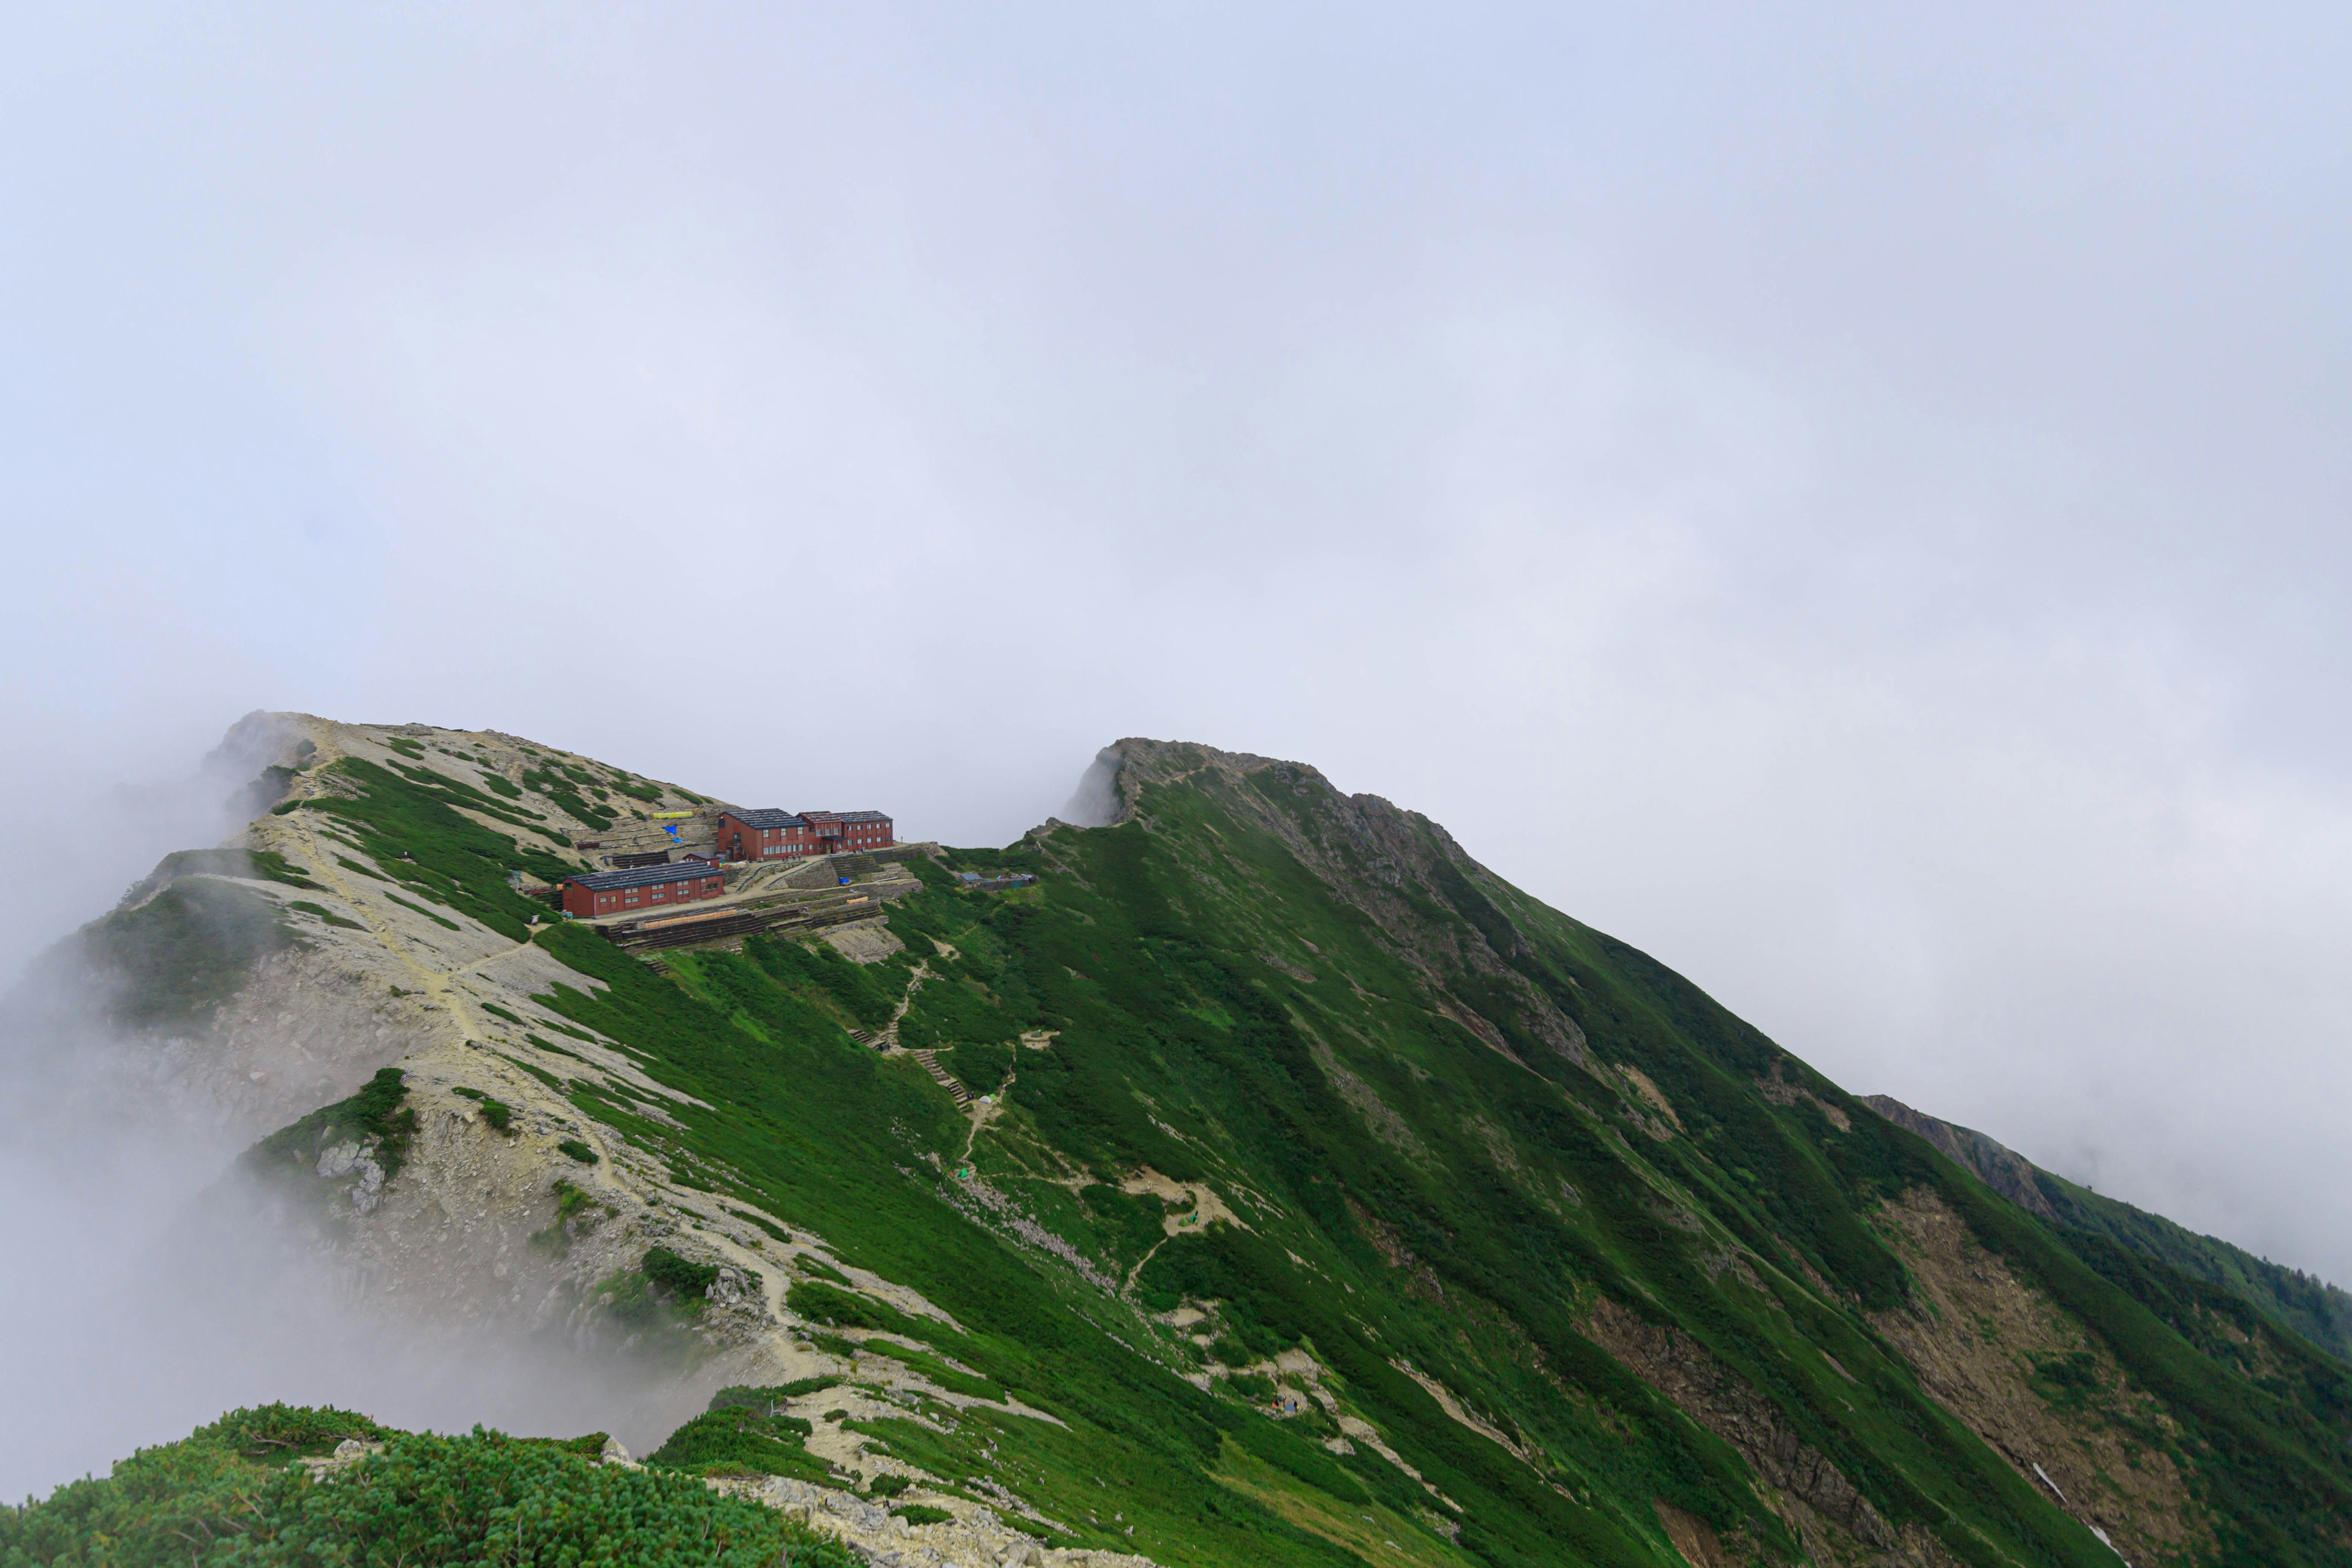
(1851, 503)
(153, 1284)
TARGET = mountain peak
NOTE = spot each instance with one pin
(1258, 1180)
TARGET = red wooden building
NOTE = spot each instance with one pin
(772, 834)
(850, 830)
(641, 887)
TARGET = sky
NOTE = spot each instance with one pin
(1850, 500)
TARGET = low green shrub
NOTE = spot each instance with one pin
(229, 1494)
(921, 1513)
(1255, 1387)
(770, 1399)
(542, 1074)
(377, 1116)
(777, 1231)
(174, 960)
(420, 910)
(865, 995)
(889, 1486)
(737, 1439)
(821, 1303)
(411, 818)
(578, 1151)
(498, 1113)
(676, 1275)
(281, 1431)
(558, 788)
(982, 1068)
(570, 1204)
(629, 1299)
(243, 865)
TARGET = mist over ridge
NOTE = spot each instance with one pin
(834, 1143)
(1811, 563)
(1846, 505)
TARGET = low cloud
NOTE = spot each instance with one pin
(151, 1288)
(1094, 802)
(153, 1284)
(1850, 503)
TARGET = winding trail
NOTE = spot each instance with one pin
(887, 1040)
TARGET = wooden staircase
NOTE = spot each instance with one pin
(930, 1060)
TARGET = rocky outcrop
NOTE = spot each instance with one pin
(1997, 1165)
(1828, 1513)
(1398, 868)
(973, 1537)
(2042, 1394)
(505, 1205)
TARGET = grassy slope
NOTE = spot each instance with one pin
(2293, 1299)
(1179, 1050)
(2317, 1310)
(1248, 990)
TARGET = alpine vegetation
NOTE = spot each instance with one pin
(1236, 1173)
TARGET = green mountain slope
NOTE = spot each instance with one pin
(1331, 1201)
(248, 1489)
(2309, 1306)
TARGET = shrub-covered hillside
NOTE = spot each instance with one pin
(238, 1492)
(1465, 1214)
(1271, 1184)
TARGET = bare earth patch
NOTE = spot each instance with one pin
(1977, 1335)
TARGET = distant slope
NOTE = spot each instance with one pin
(1311, 1196)
(2311, 1307)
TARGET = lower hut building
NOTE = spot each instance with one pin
(641, 887)
(768, 834)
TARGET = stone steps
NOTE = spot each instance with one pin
(947, 1081)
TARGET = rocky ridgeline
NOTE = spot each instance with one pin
(975, 1538)
(1260, 1147)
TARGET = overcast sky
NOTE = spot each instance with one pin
(1852, 502)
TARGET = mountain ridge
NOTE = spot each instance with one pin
(2319, 1312)
(1314, 1195)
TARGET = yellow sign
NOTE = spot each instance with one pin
(666, 815)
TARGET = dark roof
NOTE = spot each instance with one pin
(768, 816)
(642, 877)
(848, 815)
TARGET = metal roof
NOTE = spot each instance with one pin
(768, 816)
(644, 876)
